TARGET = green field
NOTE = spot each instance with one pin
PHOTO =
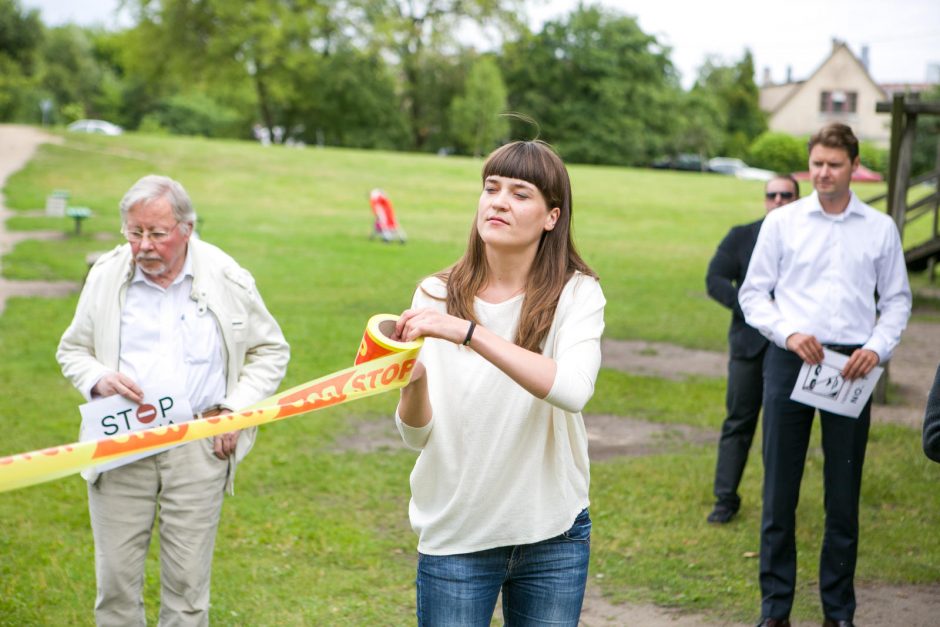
(318, 533)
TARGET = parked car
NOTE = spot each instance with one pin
(688, 161)
(736, 167)
(860, 175)
(99, 127)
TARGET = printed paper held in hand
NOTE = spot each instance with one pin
(823, 387)
(115, 415)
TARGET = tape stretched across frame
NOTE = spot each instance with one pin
(382, 365)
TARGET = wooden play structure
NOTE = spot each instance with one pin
(908, 198)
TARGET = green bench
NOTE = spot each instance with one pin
(78, 214)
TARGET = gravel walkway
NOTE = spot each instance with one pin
(17, 146)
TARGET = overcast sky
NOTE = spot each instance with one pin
(903, 36)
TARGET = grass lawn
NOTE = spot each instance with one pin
(318, 535)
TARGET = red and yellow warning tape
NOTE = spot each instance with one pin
(382, 364)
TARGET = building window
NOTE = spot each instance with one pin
(838, 101)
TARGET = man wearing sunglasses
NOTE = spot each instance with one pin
(811, 285)
(167, 311)
(746, 347)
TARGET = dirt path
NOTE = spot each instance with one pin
(911, 370)
(17, 146)
(658, 359)
(879, 606)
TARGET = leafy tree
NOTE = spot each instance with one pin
(225, 47)
(79, 83)
(123, 95)
(475, 115)
(440, 81)
(20, 34)
(194, 114)
(601, 89)
(745, 117)
(927, 141)
(350, 101)
(20, 38)
(149, 80)
(418, 33)
(698, 126)
(733, 89)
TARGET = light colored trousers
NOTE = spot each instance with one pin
(182, 489)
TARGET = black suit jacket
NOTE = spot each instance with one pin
(726, 272)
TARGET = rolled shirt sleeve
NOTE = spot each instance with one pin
(414, 437)
(894, 298)
(760, 310)
(577, 350)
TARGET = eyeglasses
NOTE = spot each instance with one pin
(157, 236)
(773, 195)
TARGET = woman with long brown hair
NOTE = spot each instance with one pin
(512, 351)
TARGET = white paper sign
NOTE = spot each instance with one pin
(823, 387)
(115, 415)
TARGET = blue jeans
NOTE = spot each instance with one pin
(542, 583)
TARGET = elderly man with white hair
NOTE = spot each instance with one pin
(167, 306)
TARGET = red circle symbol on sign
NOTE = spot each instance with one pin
(146, 414)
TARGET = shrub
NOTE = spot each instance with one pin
(778, 151)
(71, 112)
(197, 114)
(873, 157)
(736, 145)
(150, 124)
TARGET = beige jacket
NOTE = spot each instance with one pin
(254, 349)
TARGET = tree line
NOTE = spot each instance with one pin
(390, 74)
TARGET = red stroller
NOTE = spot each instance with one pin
(386, 225)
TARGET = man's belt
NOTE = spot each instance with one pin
(215, 410)
(845, 349)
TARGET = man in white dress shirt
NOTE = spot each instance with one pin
(812, 283)
(167, 306)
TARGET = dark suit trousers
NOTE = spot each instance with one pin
(787, 427)
(742, 402)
